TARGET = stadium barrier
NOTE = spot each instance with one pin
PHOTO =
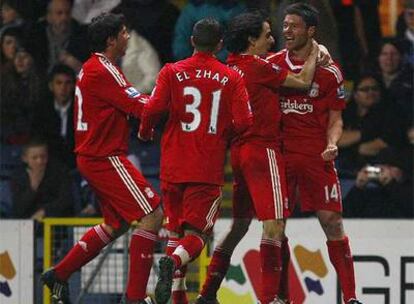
(103, 280)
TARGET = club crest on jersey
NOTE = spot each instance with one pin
(149, 192)
(340, 92)
(132, 92)
(314, 91)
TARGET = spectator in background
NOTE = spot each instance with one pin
(370, 125)
(405, 31)
(140, 63)
(85, 10)
(41, 187)
(384, 190)
(397, 78)
(21, 90)
(59, 38)
(196, 10)
(53, 116)
(11, 38)
(155, 21)
(10, 15)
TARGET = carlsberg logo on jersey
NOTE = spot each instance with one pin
(295, 106)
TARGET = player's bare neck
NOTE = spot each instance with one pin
(302, 53)
(111, 56)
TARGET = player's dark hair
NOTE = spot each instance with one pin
(309, 13)
(102, 27)
(240, 28)
(207, 34)
(61, 69)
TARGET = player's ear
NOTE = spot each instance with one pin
(192, 41)
(219, 46)
(252, 40)
(311, 31)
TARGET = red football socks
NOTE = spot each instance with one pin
(188, 248)
(284, 276)
(84, 251)
(341, 258)
(271, 262)
(141, 251)
(179, 288)
(220, 263)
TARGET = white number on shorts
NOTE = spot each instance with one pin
(333, 194)
(80, 125)
(193, 109)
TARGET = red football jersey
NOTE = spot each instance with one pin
(206, 101)
(305, 115)
(263, 80)
(104, 99)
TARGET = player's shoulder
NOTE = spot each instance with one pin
(275, 57)
(332, 72)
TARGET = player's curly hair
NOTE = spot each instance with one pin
(241, 28)
(102, 27)
(309, 13)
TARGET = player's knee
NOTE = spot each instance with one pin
(189, 229)
(274, 229)
(333, 226)
(116, 233)
(152, 221)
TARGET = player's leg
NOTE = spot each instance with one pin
(201, 203)
(264, 171)
(172, 202)
(324, 193)
(242, 214)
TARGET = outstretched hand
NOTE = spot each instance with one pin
(324, 58)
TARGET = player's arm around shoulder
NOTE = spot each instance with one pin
(303, 80)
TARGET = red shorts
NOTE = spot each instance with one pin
(123, 193)
(313, 183)
(259, 186)
(193, 203)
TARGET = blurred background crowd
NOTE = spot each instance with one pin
(43, 45)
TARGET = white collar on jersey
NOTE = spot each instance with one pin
(290, 64)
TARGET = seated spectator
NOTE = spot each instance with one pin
(155, 21)
(397, 78)
(59, 38)
(41, 187)
(196, 10)
(11, 39)
(385, 189)
(140, 63)
(53, 116)
(370, 125)
(21, 90)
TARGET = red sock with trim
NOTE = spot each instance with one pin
(84, 251)
(179, 295)
(189, 248)
(220, 263)
(141, 253)
(271, 262)
(341, 258)
(284, 276)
